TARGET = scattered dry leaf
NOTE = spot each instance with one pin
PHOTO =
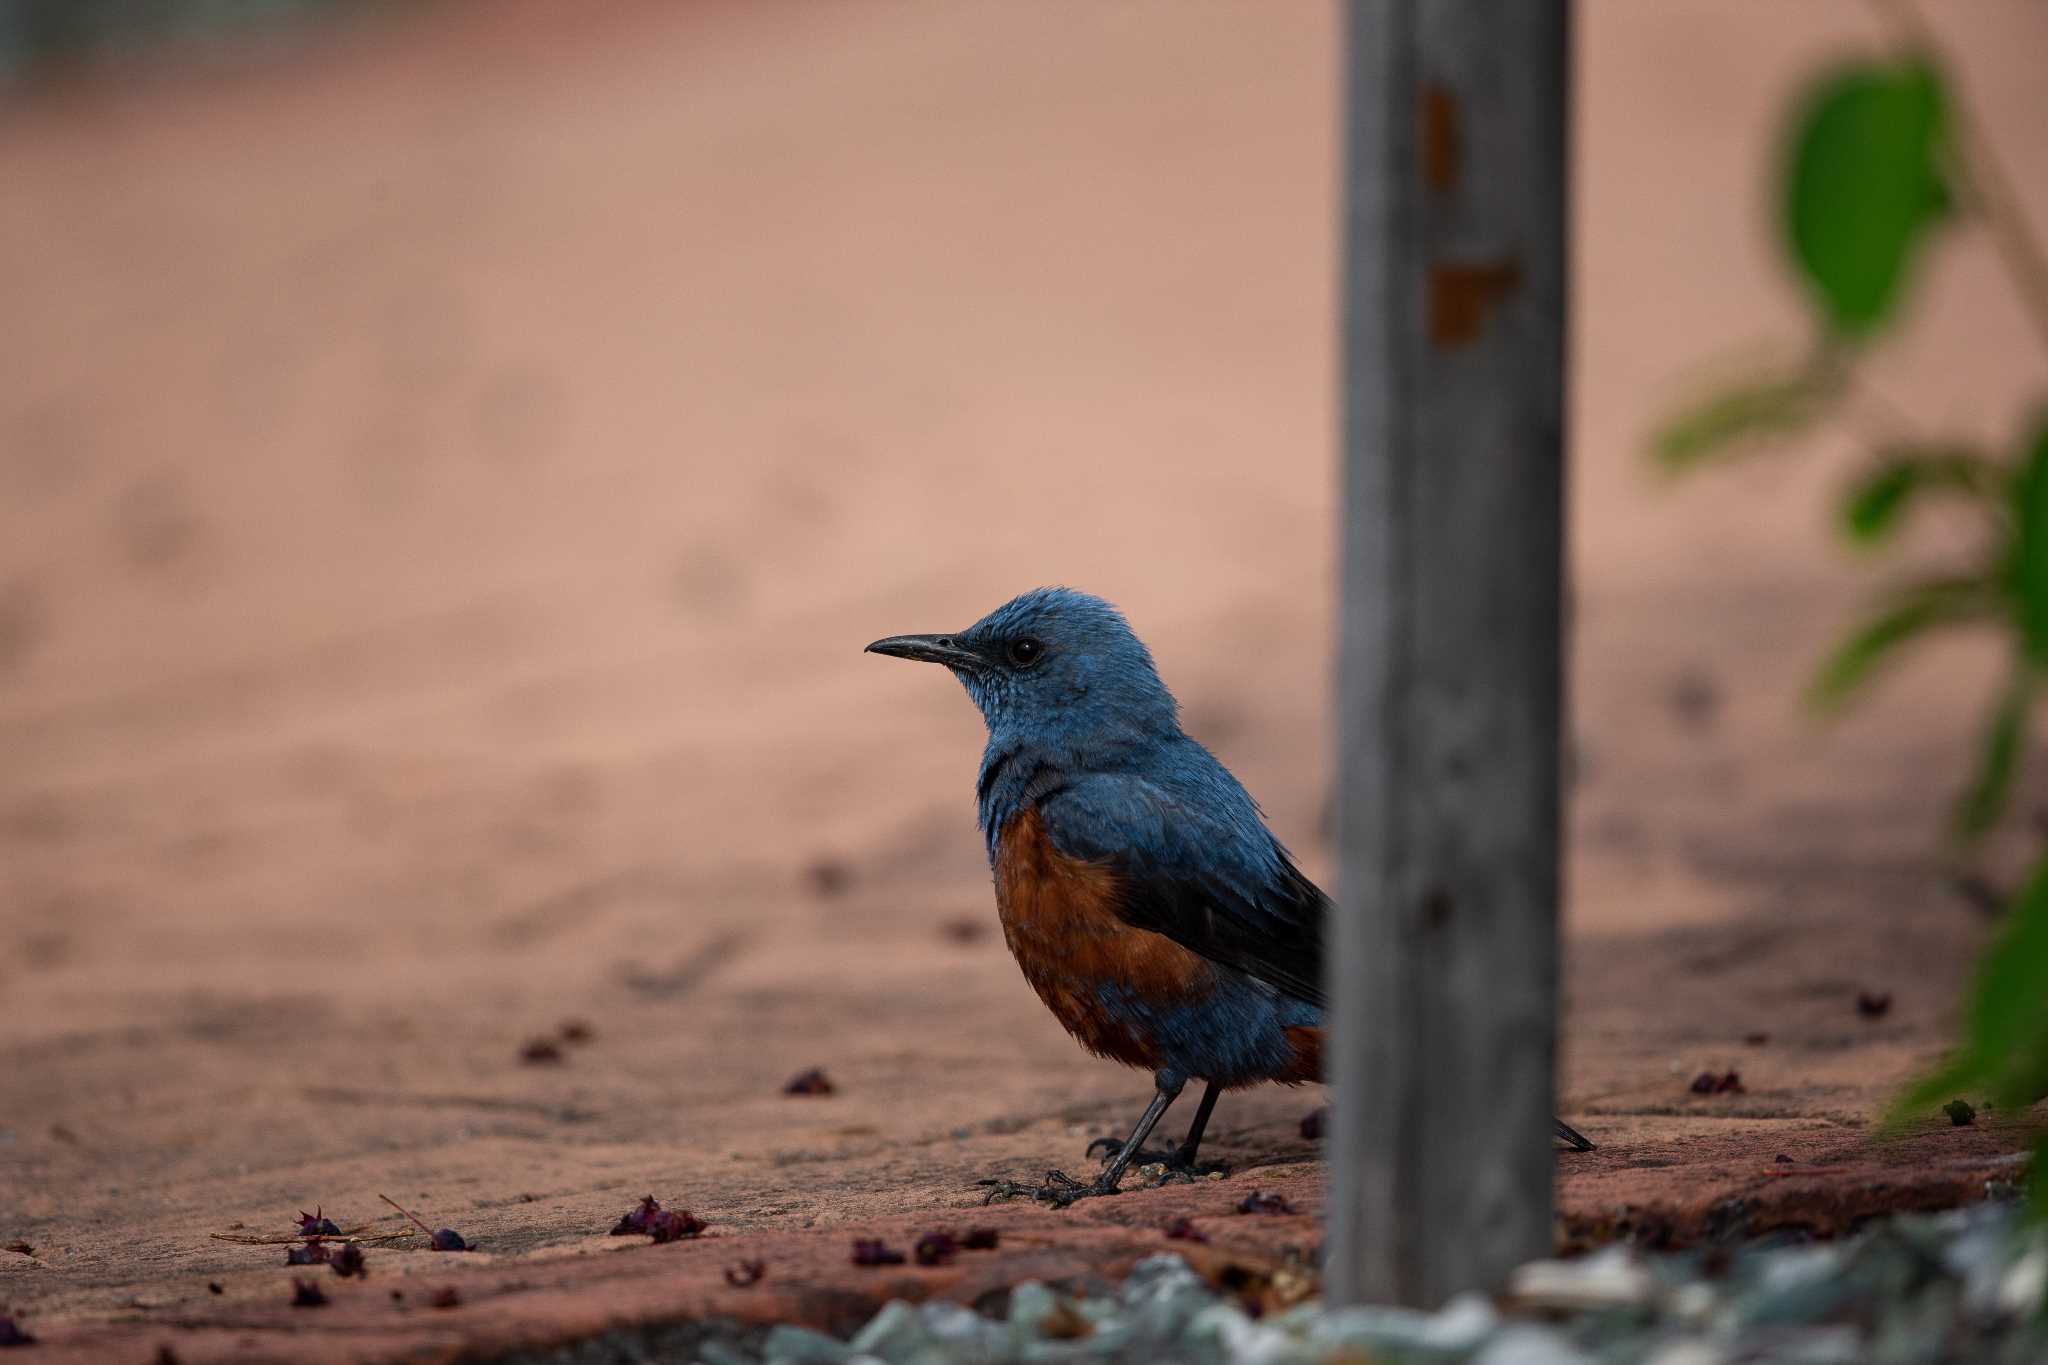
(811, 1082)
(1718, 1083)
(874, 1251)
(1264, 1203)
(936, 1248)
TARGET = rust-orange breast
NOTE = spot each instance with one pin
(1059, 918)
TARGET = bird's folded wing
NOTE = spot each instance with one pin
(1206, 874)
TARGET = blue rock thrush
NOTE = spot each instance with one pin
(1139, 889)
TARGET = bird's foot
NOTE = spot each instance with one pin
(1111, 1147)
(1058, 1190)
(1177, 1170)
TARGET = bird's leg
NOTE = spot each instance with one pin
(1185, 1157)
(1578, 1140)
(1062, 1189)
(1179, 1160)
(1169, 1090)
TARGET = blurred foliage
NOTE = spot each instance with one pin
(39, 32)
(1775, 403)
(1864, 185)
(1877, 168)
(2004, 1052)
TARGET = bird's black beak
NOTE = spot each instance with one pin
(930, 649)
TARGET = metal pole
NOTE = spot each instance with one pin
(1443, 970)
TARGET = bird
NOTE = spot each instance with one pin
(1137, 884)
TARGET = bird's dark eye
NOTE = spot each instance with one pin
(1025, 651)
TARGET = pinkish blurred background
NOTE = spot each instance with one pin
(452, 456)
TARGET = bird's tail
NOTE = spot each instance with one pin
(1578, 1140)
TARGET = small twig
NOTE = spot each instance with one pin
(362, 1234)
(409, 1214)
(1982, 177)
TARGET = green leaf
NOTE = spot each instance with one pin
(1863, 185)
(1907, 613)
(1878, 500)
(2030, 553)
(1984, 800)
(1770, 406)
(2004, 1052)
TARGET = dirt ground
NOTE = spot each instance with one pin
(448, 472)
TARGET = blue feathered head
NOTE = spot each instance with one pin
(1055, 667)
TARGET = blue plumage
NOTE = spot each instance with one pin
(1162, 922)
(1139, 887)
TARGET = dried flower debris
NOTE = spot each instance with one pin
(1264, 1203)
(1718, 1083)
(315, 1230)
(317, 1224)
(649, 1218)
(745, 1273)
(443, 1239)
(637, 1218)
(308, 1294)
(675, 1225)
(317, 1239)
(813, 1081)
(937, 1247)
(874, 1251)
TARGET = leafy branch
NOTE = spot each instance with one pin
(1883, 160)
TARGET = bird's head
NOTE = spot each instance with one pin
(1054, 667)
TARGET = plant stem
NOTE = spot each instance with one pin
(1983, 177)
(409, 1214)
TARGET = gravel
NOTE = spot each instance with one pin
(1968, 1285)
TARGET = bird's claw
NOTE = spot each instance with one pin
(1059, 1190)
(1111, 1147)
(1177, 1169)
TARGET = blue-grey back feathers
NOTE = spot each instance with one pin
(1088, 734)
